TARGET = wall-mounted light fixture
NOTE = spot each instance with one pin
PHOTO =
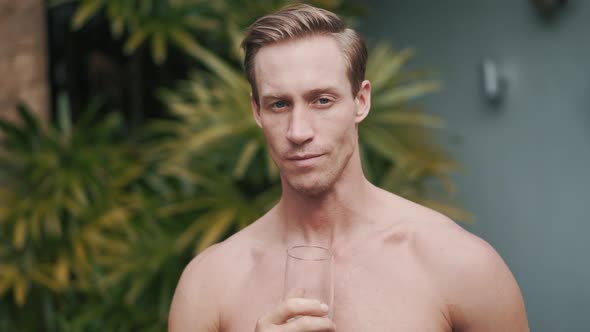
(494, 83)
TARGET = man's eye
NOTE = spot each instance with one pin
(279, 104)
(323, 101)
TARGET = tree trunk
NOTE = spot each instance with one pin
(23, 56)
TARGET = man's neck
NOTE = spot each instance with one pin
(321, 219)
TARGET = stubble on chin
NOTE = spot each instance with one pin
(310, 190)
(313, 188)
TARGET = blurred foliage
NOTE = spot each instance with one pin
(185, 23)
(68, 204)
(399, 146)
(95, 228)
(65, 192)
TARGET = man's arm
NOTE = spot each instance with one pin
(481, 292)
(490, 299)
(194, 305)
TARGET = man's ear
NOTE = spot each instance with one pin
(255, 110)
(363, 101)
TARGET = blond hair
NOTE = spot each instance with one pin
(298, 21)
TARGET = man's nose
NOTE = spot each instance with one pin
(300, 127)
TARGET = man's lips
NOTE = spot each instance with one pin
(304, 160)
(303, 157)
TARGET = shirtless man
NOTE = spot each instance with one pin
(398, 266)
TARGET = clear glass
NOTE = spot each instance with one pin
(309, 274)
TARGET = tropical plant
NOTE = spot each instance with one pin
(66, 205)
(398, 138)
(160, 23)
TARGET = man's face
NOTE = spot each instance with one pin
(307, 111)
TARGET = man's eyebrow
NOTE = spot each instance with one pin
(272, 97)
(313, 93)
(308, 95)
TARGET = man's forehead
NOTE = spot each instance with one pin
(317, 48)
(308, 63)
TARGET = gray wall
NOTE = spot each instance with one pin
(527, 160)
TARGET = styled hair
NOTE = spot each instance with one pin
(299, 21)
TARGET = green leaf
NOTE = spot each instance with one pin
(137, 286)
(158, 48)
(384, 143)
(408, 119)
(214, 134)
(134, 41)
(117, 26)
(213, 62)
(7, 273)
(389, 68)
(246, 157)
(32, 126)
(13, 133)
(86, 9)
(404, 94)
(189, 235)
(20, 291)
(64, 120)
(219, 224)
(19, 234)
(271, 167)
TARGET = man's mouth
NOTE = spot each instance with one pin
(303, 156)
(304, 160)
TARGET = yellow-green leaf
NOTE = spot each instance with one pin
(273, 171)
(138, 285)
(158, 48)
(79, 251)
(213, 134)
(40, 277)
(216, 64)
(190, 233)
(61, 272)
(133, 42)
(246, 156)
(19, 233)
(53, 225)
(405, 93)
(388, 69)
(7, 274)
(219, 224)
(20, 291)
(117, 26)
(86, 9)
(408, 119)
(384, 143)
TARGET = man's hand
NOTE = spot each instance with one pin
(297, 315)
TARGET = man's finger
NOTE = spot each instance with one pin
(298, 307)
(311, 324)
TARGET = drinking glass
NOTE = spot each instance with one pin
(308, 274)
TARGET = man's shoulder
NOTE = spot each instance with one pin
(220, 259)
(441, 245)
(207, 281)
(228, 257)
(448, 247)
(468, 272)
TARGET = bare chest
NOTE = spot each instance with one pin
(385, 294)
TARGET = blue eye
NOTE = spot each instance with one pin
(279, 104)
(323, 101)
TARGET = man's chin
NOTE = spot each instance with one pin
(314, 189)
